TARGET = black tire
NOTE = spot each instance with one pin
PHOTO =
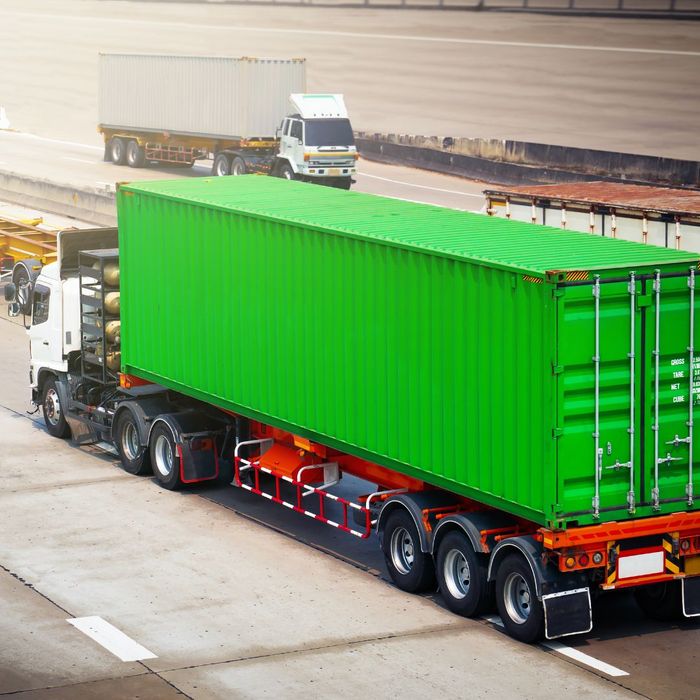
(411, 569)
(135, 155)
(284, 170)
(344, 183)
(661, 601)
(53, 412)
(238, 166)
(117, 151)
(134, 456)
(520, 610)
(462, 576)
(221, 166)
(165, 460)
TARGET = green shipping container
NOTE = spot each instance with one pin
(522, 366)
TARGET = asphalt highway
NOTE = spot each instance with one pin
(625, 84)
(81, 165)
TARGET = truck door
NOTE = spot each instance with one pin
(45, 339)
(598, 394)
(672, 383)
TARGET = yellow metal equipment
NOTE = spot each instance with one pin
(23, 238)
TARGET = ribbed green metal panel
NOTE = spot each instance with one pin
(423, 339)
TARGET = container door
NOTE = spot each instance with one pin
(599, 341)
(672, 387)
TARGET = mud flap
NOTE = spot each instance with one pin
(567, 612)
(691, 596)
(199, 460)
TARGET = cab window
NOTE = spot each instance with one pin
(40, 304)
(296, 131)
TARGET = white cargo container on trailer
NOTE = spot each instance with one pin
(177, 109)
(198, 95)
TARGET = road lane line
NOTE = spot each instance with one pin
(369, 35)
(422, 187)
(50, 140)
(582, 658)
(571, 653)
(112, 639)
(80, 160)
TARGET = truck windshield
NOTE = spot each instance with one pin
(329, 132)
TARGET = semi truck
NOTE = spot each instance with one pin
(248, 115)
(521, 400)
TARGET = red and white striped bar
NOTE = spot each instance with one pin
(244, 464)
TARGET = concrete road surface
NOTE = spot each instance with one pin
(618, 84)
(201, 600)
(232, 596)
(80, 165)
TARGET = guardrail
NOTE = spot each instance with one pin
(646, 8)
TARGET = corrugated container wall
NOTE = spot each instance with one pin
(197, 95)
(453, 347)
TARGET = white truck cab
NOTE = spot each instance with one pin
(54, 295)
(317, 142)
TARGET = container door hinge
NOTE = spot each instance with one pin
(557, 369)
(557, 432)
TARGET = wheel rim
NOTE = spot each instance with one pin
(131, 152)
(238, 168)
(116, 151)
(287, 174)
(130, 442)
(221, 167)
(402, 550)
(164, 455)
(457, 574)
(52, 407)
(517, 597)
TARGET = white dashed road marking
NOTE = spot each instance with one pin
(112, 639)
(571, 653)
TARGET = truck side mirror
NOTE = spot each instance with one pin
(10, 291)
(13, 309)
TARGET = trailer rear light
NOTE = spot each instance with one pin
(598, 558)
(570, 562)
(685, 545)
(584, 560)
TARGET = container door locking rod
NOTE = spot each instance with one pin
(631, 500)
(598, 464)
(656, 353)
(691, 382)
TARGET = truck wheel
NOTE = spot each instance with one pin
(285, 172)
(53, 412)
(117, 151)
(238, 166)
(134, 456)
(135, 155)
(344, 183)
(411, 569)
(661, 601)
(516, 597)
(462, 576)
(164, 458)
(221, 166)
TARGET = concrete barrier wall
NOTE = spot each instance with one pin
(520, 162)
(89, 205)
